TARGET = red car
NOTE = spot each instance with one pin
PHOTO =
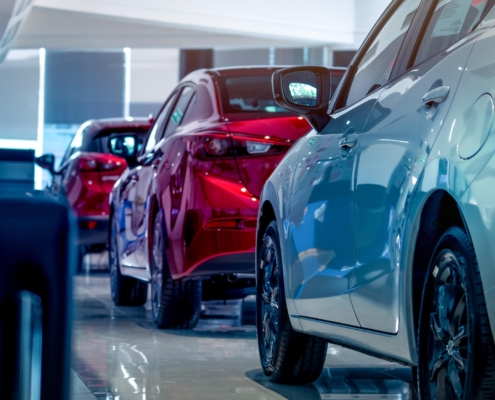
(184, 220)
(98, 154)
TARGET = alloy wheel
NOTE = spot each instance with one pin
(157, 272)
(270, 287)
(448, 340)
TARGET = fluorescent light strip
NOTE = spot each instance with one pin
(38, 173)
(127, 83)
(18, 144)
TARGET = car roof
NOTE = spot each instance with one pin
(195, 76)
(93, 127)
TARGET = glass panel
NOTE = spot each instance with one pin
(249, 94)
(157, 130)
(179, 110)
(451, 21)
(376, 66)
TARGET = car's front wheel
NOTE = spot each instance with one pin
(456, 352)
(175, 304)
(286, 356)
(126, 291)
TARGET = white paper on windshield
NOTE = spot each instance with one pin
(452, 18)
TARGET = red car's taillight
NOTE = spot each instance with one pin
(100, 164)
(225, 145)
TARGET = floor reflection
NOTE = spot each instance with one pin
(119, 354)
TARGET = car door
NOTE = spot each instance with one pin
(135, 189)
(156, 166)
(395, 148)
(322, 220)
(171, 174)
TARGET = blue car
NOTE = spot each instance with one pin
(377, 229)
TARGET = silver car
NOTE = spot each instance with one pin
(377, 230)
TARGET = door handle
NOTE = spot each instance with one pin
(435, 96)
(349, 141)
(135, 178)
(156, 161)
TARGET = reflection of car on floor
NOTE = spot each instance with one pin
(184, 219)
(376, 231)
(100, 151)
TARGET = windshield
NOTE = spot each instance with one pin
(248, 94)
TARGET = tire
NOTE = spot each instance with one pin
(175, 304)
(456, 355)
(126, 291)
(286, 356)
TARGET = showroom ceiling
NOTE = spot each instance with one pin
(192, 24)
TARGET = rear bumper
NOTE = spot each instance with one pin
(236, 263)
(93, 231)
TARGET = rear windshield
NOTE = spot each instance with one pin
(248, 94)
(101, 142)
(253, 93)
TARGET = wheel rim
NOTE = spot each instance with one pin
(157, 273)
(448, 339)
(270, 300)
(113, 257)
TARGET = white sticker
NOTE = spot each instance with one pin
(435, 271)
(452, 18)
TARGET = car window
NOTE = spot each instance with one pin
(451, 21)
(200, 106)
(179, 110)
(249, 94)
(76, 143)
(374, 69)
(106, 141)
(156, 132)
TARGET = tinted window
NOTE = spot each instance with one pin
(248, 94)
(200, 107)
(102, 143)
(179, 110)
(375, 67)
(76, 143)
(451, 20)
(157, 130)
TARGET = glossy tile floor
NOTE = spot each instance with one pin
(119, 354)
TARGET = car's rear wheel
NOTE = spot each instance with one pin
(126, 291)
(175, 304)
(286, 356)
(455, 351)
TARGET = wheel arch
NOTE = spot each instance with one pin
(439, 212)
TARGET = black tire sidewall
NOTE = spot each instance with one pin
(272, 232)
(456, 241)
(158, 220)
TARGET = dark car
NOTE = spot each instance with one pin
(185, 218)
(99, 153)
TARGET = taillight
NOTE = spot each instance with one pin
(217, 147)
(224, 145)
(100, 164)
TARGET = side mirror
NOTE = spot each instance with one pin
(305, 91)
(46, 161)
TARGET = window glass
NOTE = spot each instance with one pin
(179, 110)
(376, 66)
(157, 130)
(249, 94)
(200, 107)
(77, 142)
(451, 20)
